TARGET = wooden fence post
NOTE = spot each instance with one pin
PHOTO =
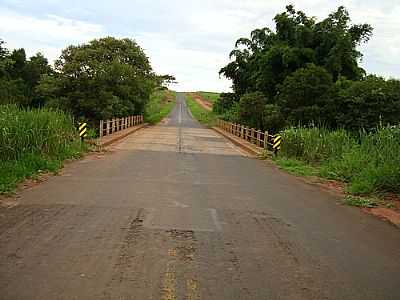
(101, 128)
(258, 138)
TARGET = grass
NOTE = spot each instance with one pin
(205, 117)
(368, 162)
(360, 202)
(209, 96)
(296, 167)
(34, 141)
(160, 105)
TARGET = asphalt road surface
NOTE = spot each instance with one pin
(177, 212)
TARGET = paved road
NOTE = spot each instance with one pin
(177, 212)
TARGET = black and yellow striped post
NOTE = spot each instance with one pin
(82, 129)
(276, 146)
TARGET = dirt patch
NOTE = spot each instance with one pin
(201, 101)
(386, 214)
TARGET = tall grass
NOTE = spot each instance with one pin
(369, 162)
(33, 140)
(160, 105)
(204, 116)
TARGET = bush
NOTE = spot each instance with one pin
(33, 140)
(314, 145)
(369, 162)
(225, 103)
(251, 109)
(159, 105)
(305, 96)
(369, 103)
(273, 120)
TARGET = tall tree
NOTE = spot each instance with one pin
(295, 67)
(104, 78)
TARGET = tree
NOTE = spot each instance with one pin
(273, 119)
(104, 78)
(267, 61)
(165, 80)
(306, 96)
(369, 103)
(251, 109)
(19, 77)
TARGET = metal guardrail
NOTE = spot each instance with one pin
(108, 127)
(257, 137)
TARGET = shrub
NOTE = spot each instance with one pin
(33, 140)
(369, 162)
(306, 96)
(369, 103)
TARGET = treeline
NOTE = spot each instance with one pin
(307, 73)
(101, 79)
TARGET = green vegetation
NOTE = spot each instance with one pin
(19, 77)
(305, 76)
(209, 96)
(360, 202)
(116, 80)
(160, 105)
(101, 79)
(368, 162)
(32, 141)
(204, 116)
(296, 167)
(307, 73)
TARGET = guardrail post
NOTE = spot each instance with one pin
(258, 138)
(266, 140)
(101, 129)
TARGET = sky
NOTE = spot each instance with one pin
(190, 39)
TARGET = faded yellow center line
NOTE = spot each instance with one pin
(192, 289)
(169, 282)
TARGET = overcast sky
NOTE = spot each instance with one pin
(186, 38)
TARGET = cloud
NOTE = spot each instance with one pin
(48, 35)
